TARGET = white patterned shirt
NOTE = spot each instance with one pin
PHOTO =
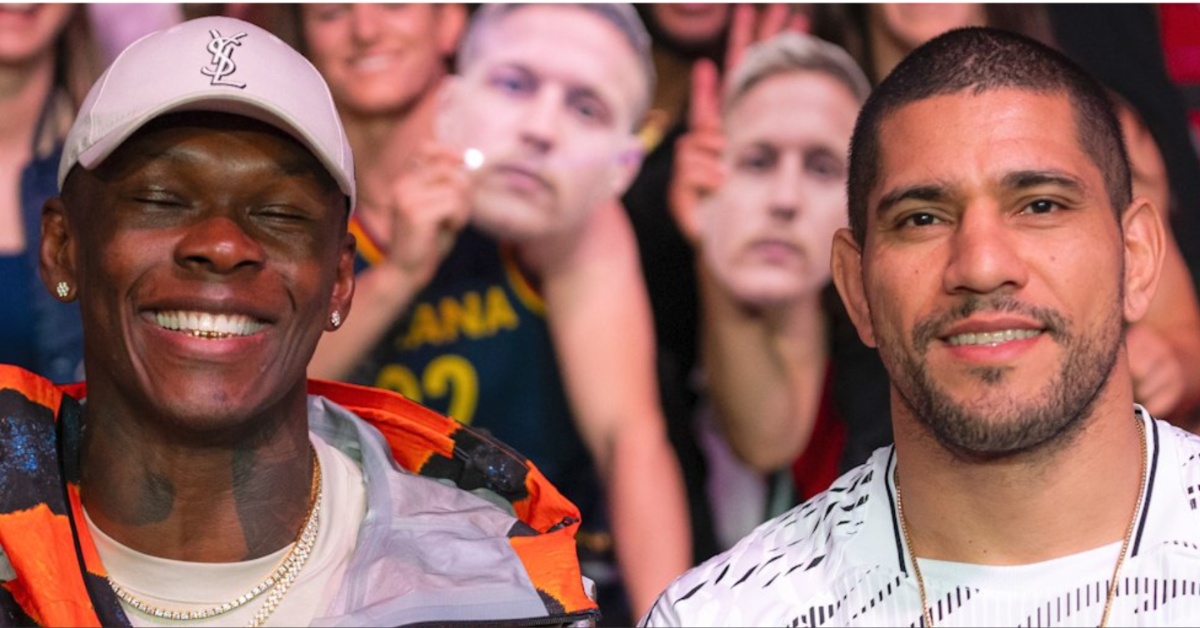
(840, 560)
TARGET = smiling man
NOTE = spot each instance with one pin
(995, 257)
(198, 477)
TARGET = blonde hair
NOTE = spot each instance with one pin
(794, 52)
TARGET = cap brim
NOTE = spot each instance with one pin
(227, 103)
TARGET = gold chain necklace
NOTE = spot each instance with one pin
(278, 582)
(927, 610)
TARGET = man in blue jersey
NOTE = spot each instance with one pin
(995, 257)
(536, 325)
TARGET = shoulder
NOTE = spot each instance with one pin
(786, 564)
(458, 499)
(1181, 452)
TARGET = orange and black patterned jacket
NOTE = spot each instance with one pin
(51, 574)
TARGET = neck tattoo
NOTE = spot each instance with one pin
(927, 610)
(277, 583)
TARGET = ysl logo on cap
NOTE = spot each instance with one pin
(222, 58)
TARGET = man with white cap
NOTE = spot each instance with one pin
(198, 478)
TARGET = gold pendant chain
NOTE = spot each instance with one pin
(927, 610)
(278, 582)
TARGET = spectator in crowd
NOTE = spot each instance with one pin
(880, 35)
(47, 66)
(699, 41)
(760, 191)
(205, 188)
(531, 321)
(385, 65)
(995, 256)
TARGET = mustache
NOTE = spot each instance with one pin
(929, 329)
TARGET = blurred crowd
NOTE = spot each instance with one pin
(618, 263)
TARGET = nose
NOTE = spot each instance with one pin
(218, 245)
(540, 125)
(785, 188)
(364, 23)
(985, 257)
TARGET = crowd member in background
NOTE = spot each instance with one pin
(534, 325)
(880, 35)
(995, 256)
(46, 66)
(197, 478)
(385, 64)
(760, 192)
(1165, 345)
(687, 35)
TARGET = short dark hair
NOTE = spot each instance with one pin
(982, 59)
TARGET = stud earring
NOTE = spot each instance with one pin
(336, 319)
(62, 289)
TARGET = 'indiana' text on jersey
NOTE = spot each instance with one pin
(475, 345)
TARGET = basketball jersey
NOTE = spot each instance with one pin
(474, 345)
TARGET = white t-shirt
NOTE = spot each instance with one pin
(840, 560)
(179, 585)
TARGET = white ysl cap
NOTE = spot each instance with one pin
(210, 64)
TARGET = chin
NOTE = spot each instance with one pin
(766, 299)
(216, 405)
(767, 292)
(510, 220)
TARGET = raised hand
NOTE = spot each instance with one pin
(753, 23)
(429, 207)
(698, 170)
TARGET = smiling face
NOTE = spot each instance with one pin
(993, 269)
(380, 58)
(208, 252)
(766, 234)
(691, 25)
(29, 31)
(549, 100)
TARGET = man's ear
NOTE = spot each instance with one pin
(846, 266)
(1145, 243)
(343, 283)
(57, 262)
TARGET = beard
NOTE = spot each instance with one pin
(1019, 422)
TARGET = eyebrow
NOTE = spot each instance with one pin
(571, 87)
(1022, 179)
(930, 193)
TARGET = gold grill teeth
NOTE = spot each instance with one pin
(210, 335)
